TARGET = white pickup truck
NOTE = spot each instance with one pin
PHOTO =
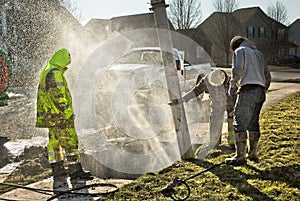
(146, 67)
(133, 89)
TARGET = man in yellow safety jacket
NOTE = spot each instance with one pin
(55, 112)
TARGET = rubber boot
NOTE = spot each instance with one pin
(58, 169)
(76, 172)
(78, 178)
(241, 146)
(253, 141)
(60, 177)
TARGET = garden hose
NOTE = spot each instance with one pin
(170, 191)
(71, 191)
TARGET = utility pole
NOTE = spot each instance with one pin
(178, 112)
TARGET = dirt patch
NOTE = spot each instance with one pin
(18, 114)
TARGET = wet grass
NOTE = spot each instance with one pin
(276, 177)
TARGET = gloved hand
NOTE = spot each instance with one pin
(230, 114)
(175, 101)
(231, 92)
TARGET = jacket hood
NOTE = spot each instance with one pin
(61, 58)
(248, 43)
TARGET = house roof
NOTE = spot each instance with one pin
(297, 21)
(93, 22)
(238, 18)
(125, 23)
(244, 15)
(132, 22)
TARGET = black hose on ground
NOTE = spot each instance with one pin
(71, 191)
(169, 190)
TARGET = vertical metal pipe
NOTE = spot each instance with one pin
(178, 112)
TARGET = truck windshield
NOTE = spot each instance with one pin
(149, 57)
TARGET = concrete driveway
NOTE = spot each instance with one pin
(284, 83)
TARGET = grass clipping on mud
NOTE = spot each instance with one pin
(275, 177)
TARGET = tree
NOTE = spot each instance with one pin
(224, 25)
(185, 14)
(227, 6)
(278, 12)
(277, 39)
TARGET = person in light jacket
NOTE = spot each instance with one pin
(250, 79)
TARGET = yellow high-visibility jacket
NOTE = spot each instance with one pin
(54, 101)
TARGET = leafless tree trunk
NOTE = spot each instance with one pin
(224, 28)
(277, 37)
(185, 14)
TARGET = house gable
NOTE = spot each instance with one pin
(250, 22)
(132, 22)
(257, 20)
(294, 36)
(116, 25)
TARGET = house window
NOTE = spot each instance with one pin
(250, 32)
(261, 32)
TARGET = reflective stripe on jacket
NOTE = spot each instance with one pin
(54, 101)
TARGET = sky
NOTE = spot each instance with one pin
(106, 9)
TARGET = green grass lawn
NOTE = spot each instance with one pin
(275, 177)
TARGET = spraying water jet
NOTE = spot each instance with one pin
(123, 118)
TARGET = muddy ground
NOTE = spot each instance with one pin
(22, 145)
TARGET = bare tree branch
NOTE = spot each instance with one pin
(277, 38)
(185, 14)
(72, 7)
(225, 5)
(278, 12)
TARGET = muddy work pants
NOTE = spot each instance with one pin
(247, 109)
(63, 144)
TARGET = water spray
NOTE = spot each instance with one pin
(5, 74)
(178, 112)
(5, 71)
